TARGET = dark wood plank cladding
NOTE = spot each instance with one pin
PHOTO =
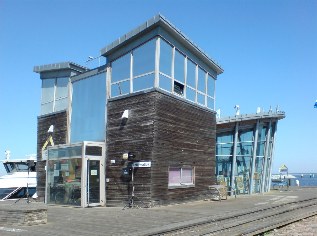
(166, 131)
(59, 120)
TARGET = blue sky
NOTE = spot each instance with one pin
(268, 50)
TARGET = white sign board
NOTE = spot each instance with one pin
(142, 164)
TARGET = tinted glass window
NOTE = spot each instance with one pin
(165, 83)
(61, 87)
(121, 68)
(191, 74)
(120, 88)
(144, 58)
(201, 80)
(201, 98)
(143, 82)
(88, 109)
(48, 90)
(179, 67)
(210, 86)
(166, 54)
(190, 94)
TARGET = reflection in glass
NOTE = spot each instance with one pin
(165, 83)
(245, 135)
(61, 87)
(47, 90)
(47, 108)
(166, 55)
(121, 68)
(88, 109)
(210, 86)
(201, 80)
(143, 82)
(225, 138)
(210, 103)
(64, 181)
(120, 88)
(144, 58)
(223, 170)
(179, 70)
(190, 94)
(224, 149)
(191, 74)
(201, 98)
(61, 104)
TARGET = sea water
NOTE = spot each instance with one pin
(306, 179)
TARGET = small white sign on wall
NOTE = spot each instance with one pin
(142, 164)
(94, 172)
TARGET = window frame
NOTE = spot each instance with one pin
(181, 170)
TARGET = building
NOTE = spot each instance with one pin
(143, 125)
(245, 147)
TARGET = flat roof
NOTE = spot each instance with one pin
(60, 66)
(246, 117)
(154, 22)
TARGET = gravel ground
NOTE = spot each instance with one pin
(305, 227)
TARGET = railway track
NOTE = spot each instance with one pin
(254, 221)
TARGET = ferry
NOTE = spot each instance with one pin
(20, 180)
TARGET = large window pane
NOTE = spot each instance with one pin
(210, 103)
(191, 74)
(61, 87)
(48, 87)
(120, 88)
(224, 149)
(47, 108)
(166, 55)
(144, 58)
(210, 86)
(201, 80)
(225, 138)
(245, 135)
(165, 83)
(201, 99)
(174, 176)
(179, 70)
(88, 109)
(61, 104)
(121, 68)
(190, 94)
(143, 82)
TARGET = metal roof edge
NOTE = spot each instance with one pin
(244, 117)
(60, 66)
(161, 21)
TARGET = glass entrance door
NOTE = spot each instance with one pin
(93, 182)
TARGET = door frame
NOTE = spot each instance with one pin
(85, 175)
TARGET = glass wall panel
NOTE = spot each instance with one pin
(260, 148)
(245, 135)
(224, 149)
(47, 108)
(64, 181)
(120, 88)
(210, 103)
(243, 174)
(245, 148)
(121, 68)
(61, 104)
(191, 74)
(179, 67)
(210, 86)
(166, 56)
(201, 86)
(201, 99)
(144, 58)
(165, 83)
(88, 109)
(48, 87)
(190, 94)
(223, 170)
(225, 138)
(143, 82)
(61, 87)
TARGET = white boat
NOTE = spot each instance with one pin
(20, 180)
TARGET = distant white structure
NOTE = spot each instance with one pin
(258, 110)
(237, 108)
(297, 182)
(218, 114)
(7, 153)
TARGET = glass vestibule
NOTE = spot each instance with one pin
(76, 174)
